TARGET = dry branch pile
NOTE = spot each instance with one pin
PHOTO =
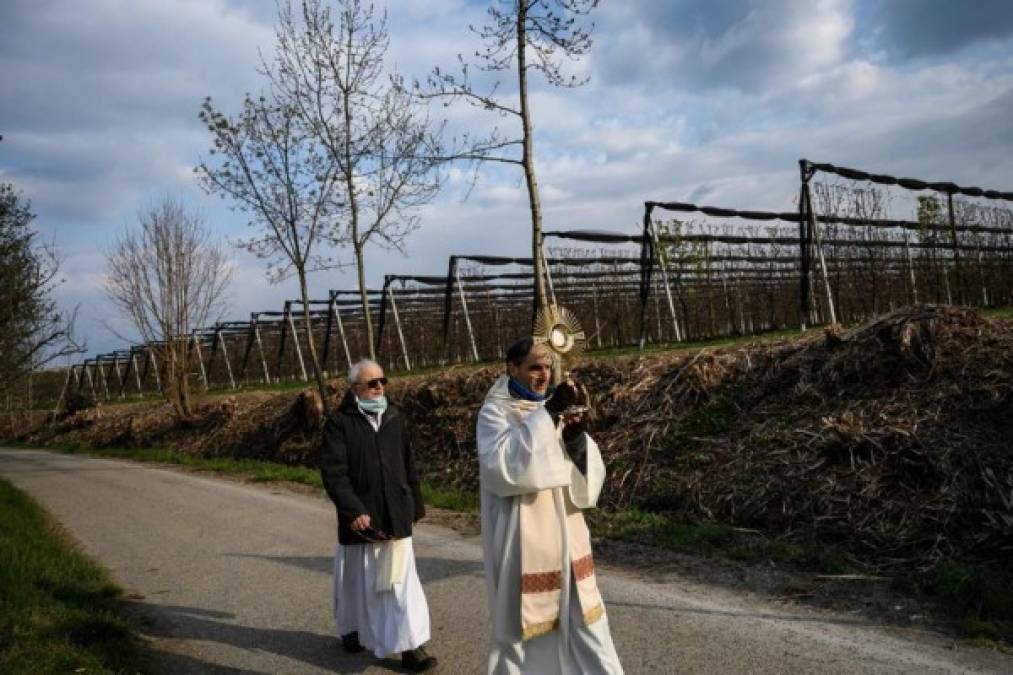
(891, 440)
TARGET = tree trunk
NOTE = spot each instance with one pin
(311, 342)
(353, 204)
(364, 298)
(529, 166)
(176, 366)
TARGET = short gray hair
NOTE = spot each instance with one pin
(353, 372)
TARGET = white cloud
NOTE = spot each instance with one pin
(707, 102)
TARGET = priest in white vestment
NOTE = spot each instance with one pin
(538, 469)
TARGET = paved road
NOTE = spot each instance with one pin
(234, 578)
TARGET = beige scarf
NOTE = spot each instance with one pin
(390, 559)
(542, 564)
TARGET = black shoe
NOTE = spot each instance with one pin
(417, 660)
(351, 643)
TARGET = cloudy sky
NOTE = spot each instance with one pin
(707, 101)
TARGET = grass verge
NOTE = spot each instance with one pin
(255, 470)
(59, 610)
(710, 539)
(466, 502)
(981, 601)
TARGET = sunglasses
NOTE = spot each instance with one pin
(375, 383)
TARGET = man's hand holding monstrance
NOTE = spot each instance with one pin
(559, 330)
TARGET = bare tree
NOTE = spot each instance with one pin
(33, 333)
(268, 162)
(331, 68)
(521, 36)
(168, 278)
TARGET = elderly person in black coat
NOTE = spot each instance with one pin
(369, 472)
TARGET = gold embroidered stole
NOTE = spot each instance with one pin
(542, 565)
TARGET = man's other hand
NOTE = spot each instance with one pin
(574, 425)
(562, 398)
(361, 523)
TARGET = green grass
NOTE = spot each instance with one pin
(659, 530)
(978, 597)
(998, 313)
(466, 502)
(58, 611)
(716, 540)
(253, 469)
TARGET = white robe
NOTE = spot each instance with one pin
(520, 452)
(388, 622)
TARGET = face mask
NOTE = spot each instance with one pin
(523, 392)
(372, 405)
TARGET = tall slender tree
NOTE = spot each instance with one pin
(269, 163)
(330, 66)
(521, 36)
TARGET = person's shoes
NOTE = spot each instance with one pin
(417, 660)
(351, 643)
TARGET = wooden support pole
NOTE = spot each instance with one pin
(214, 352)
(248, 348)
(911, 270)
(327, 337)
(397, 323)
(981, 274)
(137, 373)
(298, 349)
(803, 249)
(102, 378)
(548, 273)
(467, 318)
(956, 249)
(63, 394)
(663, 266)
(260, 350)
(225, 355)
(154, 367)
(814, 224)
(200, 360)
(119, 375)
(594, 306)
(77, 380)
(281, 338)
(341, 330)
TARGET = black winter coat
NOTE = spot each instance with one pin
(370, 471)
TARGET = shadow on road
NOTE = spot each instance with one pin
(171, 623)
(430, 569)
(765, 616)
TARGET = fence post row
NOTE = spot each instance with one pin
(945, 265)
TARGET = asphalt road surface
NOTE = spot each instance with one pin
(225, 577)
